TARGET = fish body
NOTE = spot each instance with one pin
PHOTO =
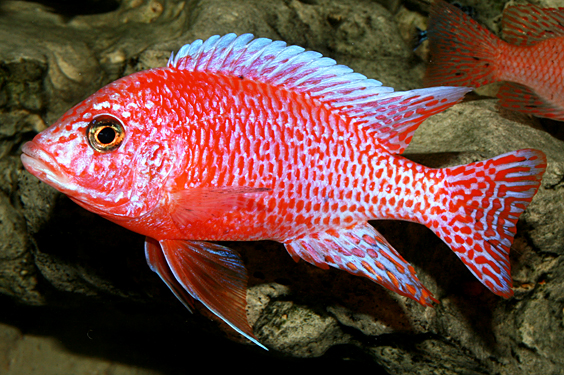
(530, 61)
(242, 139)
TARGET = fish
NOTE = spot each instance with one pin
(528, 61)
(240, 138)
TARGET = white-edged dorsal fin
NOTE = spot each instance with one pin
(391, 116)
(273, 62)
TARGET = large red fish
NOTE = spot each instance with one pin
(530, 60)
(242, 139)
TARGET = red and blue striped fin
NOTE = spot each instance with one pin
(483, 202)
(207, 272)
(391, 116)
(527, 24)
(462, 52)
(157, 262)
(523, 99)
(362, 250)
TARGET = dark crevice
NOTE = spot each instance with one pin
(70, 8)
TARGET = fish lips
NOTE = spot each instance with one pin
(42, 165)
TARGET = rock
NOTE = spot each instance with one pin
(82, 269)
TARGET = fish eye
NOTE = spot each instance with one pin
(105, 133)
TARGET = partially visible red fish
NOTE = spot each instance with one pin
(530, 60)
(241, 140)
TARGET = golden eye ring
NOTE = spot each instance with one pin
(105, 133)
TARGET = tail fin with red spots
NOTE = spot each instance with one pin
(485, 201)
(462, 51)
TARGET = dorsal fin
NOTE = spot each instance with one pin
(391, 116)
(528, 24)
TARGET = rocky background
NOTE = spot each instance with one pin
(77, 297)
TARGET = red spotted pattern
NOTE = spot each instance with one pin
(323, 172)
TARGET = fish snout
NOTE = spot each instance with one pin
(42, 165)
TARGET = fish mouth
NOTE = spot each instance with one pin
(42, 165)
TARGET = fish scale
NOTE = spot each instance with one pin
(248, 139)
(546, 82)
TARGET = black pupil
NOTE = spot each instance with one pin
(106, 135)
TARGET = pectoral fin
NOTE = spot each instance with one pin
(210, 273)
(201, 204)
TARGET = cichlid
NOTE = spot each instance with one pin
(240, 139)
(530, 61)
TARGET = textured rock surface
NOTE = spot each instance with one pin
(77, 294)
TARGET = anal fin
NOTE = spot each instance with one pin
(362, 250)
(521, 98)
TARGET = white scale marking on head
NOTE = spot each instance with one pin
(68, 156)
(102, 105)
(118, 197)
(90, 168)
(78, 125)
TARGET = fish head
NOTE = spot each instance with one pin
(111, 153)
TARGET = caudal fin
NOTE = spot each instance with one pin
(462, 51)
(485, 200)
